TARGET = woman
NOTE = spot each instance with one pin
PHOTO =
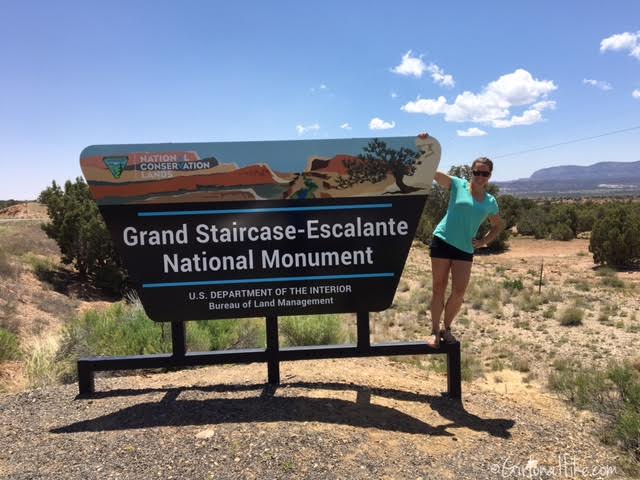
(454, 242)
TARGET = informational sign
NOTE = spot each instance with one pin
(230, 230)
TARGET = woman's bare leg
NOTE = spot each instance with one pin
(440, 268)
(460, 274)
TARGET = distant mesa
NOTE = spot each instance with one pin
(603, 178)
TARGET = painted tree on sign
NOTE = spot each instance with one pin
(377, 162)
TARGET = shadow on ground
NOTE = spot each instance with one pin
(267, 406)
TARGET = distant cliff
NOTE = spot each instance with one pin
(599, 179)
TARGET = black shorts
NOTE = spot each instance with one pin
(441, 249)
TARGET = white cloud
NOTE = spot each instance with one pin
(394, 95)
(345, 126)
(379, 124)
(410, 66)
(546, 104)
(528, 117)
(601, 84)
(323, 86)
(414, 66)
(636, 94)
(471, 132)
(439, 77)
(623, 41)
(301, 129)
(492, 105)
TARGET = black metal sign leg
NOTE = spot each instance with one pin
(454, 373)
(86, 383)
(178, 339)
(273, 349)
(363, 330)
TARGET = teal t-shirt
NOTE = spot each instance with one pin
(464, 215)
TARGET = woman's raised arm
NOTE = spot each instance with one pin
(443, 180)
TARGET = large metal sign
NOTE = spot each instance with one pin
(228, 230)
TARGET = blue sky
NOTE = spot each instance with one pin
(74, 74)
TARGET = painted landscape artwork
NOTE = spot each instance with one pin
(199, 173)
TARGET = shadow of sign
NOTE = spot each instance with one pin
(265, 406)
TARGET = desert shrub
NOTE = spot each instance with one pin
(9, 346)
(533, 222)
(561, 231)
(124, 329)
(471, 367)
(312, 330)
(579, 284)
(42, 364)
(121, 329)
(7, 268)
(529, 302)
(424, 232)
(521, 364)
(615, 238)
(614, 392)
(497, 365)
(83, 238)
(231, 334)
(613, 282)
(43, 268)
(512, 285)
(571, 316)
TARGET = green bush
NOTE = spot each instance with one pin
(232, 334)
(513, 285)
(312, 330)
(533, 222)
(615, 239)
(9, 346)
(77, 227)
(124, 329)
(562, 232)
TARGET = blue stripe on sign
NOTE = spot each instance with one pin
(267, 280)
(265, 210)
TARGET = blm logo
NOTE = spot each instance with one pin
(116, 165)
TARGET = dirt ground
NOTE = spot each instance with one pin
(348, 418)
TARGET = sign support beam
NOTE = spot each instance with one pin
(272, 355)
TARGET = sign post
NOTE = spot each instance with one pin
(232, 230)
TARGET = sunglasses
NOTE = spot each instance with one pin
(479, 173)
